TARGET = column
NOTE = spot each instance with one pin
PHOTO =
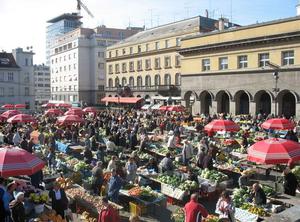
(252, 108)
(196, 107)
(232, 107)
(214, 105)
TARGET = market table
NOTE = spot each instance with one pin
(286, 199)
(244, 215)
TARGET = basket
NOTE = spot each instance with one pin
(136, 209)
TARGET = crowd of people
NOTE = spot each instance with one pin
(127, 130)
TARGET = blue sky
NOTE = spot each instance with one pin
(23, 22)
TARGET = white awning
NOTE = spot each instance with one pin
(156, 106)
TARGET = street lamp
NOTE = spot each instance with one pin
(276, 68)
(119, 93)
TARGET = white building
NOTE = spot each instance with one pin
(16, 78)
(42, 84)
(77, 63)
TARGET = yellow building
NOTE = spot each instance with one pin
(251, 69)
(148, 62)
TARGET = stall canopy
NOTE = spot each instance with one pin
(128, 100)
(278, 124)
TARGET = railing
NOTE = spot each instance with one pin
(147, 88)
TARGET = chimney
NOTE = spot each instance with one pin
(206, 13)
(221, 24)
(298, 8)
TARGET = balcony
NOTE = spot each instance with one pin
(164, 90)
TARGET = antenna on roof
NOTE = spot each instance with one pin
(151, 17)
(157, 20)
(230, 10)
(129, 22)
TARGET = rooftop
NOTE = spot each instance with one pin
(69, 16)
(7, 60)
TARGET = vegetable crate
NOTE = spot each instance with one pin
(136, 209)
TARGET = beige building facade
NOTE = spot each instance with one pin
(252, 69)
(149, 62)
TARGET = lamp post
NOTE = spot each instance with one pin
(119, 93)
(276, 68)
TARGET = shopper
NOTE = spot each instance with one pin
(17, 208)
(59, 199)
(114, 186)
(194, 211)
(107, 213)
(225, 207)
(290, 182)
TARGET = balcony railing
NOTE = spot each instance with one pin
(153, 88)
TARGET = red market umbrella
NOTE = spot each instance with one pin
(274, 151)
(9, 113)
(53, 112)
(63, 105)
(176, 108)
(278, 124)
(21, 118)
(77, 112)
(8, 106)
(90, 110)
(164, 108)
(20, 106)
(15, 161)
(48, 105)
(69, 119)
(222, 125)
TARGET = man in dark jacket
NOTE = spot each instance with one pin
(59, 200)
(258, 195)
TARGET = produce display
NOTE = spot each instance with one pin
(213, 175)
(135, 191)
(240, 196)
(85, 216)
(81, 166)
(174, 181)
(38, 198)
(64, 182)
(188, 185)
(269, 191)
(255, 210)
(51, 216)
(211, 218)
(178, 215)
(144, 156)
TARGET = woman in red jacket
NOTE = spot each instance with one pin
(108, 213)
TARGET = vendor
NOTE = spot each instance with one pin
(244, 180)
(187, 152)
(290, 183)
(97, 174)
(114, 186)
(88, 155)
(131, 169)
(166, 164)
(59, 199)
(171, 141)
(151, 165)
(111, 146)
(258, 195)
(107, 212)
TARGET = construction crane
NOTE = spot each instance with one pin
(80, 4)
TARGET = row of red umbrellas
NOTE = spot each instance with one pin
(11, 106)
(176, 108)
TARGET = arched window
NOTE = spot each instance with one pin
(157, 80)
(167, 79)
(110, 83)
(139, 82)
(124, 81)
(131, 81)
(177, 79)
(117, 82)
(148, 81)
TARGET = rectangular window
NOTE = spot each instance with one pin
(167, 62)
(1, 91)
(10, 77)
(69, 56)
(205, 64)
(117, 68)
(101, 87)
(64, 58)
(131, 66)
(177, 61)
(147, 47)
(131, 50)
(26, 77)
(139, 65)
(26, 91)
(178, 41)
(223, 63)
(109, 54)
(157, 63)
(288, 58)
(264, 58)
(110, 69)
(74, 55)
(124, 67)
(74, 66)
(117, 53)
(242, 62)
(139, 49)
(148, 64)
(157, 45)
(124, 51)
(166, 43)
(69, 67)
(11, 91)
(26, 62)
(100, 65)
(1, 77)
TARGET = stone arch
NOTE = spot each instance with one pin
(148, 81)
(131, 81)
(177, 79)
(167, 79)
(223, 99)
(190, 98)
(139, 82)
(287, 100)
(110, 83)
(124, 81)
(263, 100)
(206, 97)
(242, 100)
(117, 82)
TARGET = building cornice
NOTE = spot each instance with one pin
(144, 54)
(242, 43)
